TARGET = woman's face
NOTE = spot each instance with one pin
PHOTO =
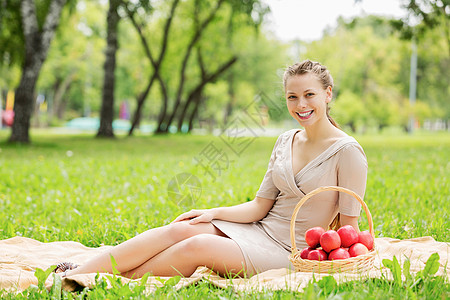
(306, 99)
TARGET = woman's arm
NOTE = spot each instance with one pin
(248, 212)
(348, 220)
(352, 174)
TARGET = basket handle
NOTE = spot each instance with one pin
(317, 191)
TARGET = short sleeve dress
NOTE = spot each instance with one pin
(265, 244)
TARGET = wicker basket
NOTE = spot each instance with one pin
(355, 264)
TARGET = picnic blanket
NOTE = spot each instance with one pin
(20, 256)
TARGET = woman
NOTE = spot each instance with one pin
(254, 236)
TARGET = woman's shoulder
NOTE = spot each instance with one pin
(286, 135)
(289, 132)
(352, 143)
(351, 150)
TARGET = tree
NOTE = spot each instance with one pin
(156, 63)
(377, 73)
(430, 14)
(195, 96)
(11, 35)
(373, 72)
(166, 119)
(107, 109)
(202, 15)
(37, 41)
(71, 78)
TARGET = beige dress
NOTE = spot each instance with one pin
(266, 244)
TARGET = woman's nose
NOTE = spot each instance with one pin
(301, 102)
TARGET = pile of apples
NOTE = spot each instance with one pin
(331, 245)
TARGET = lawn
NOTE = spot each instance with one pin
(106, 191)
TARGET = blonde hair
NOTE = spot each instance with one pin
(320, 71)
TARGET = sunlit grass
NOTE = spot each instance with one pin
(106, 191)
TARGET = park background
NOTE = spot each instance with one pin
(207, 76)
(180, 66)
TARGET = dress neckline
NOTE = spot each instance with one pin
(307, 166)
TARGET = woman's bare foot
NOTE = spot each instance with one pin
(64, 267)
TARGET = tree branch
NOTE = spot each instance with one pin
(51, 21)
(201, 63)
(166, 29)
(205, 80)
(194, 40)
(147, 50)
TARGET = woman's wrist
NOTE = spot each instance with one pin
(215, 212)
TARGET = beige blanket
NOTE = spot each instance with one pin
(20, 256)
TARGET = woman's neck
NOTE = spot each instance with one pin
(320, 131)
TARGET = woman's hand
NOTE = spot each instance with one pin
(196, 216)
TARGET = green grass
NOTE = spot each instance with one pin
(102, 191)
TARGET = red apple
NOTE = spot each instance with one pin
(366, 239)
(357, 249)
(317, 255)
(339, 253)
(312, 236)
(348, 235)
(305, 252)
(330, 240)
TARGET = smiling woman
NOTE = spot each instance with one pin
(313, 90)
(254, 236)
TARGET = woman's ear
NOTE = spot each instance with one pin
(329, 92)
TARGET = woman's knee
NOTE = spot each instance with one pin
(194, 245)
(183, 230)
(180, 230)
(213, 252)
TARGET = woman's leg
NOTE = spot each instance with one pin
(218, 253)
(139, 249)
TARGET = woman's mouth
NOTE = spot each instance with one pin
(305, 115)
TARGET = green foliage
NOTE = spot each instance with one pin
(12, 42)
(423, 16)
(42, 275)
(76, 56)
(376, 75)
(100, 191)
(414, 282)
(327, 285)
(40, 291)
(394, 266)
(431, 266)
(369, 62)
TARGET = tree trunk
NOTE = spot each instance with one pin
(232, 98)
(60, 88)
(140, 105)
(24, 103)
(195, 38)
(163, 112)
(107, 109)
(198, 90)
(37, 43)
(194, 112)
(156, 67)
(192, 98)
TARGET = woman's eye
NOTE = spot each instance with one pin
(292, 97)
(309, 94)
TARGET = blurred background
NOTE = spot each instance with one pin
(194, 66)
